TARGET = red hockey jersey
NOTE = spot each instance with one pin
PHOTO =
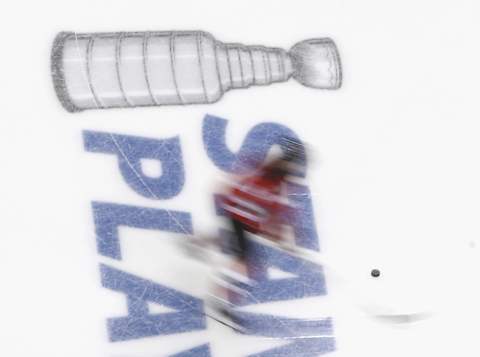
(258, 203)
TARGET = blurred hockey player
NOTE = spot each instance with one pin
(258, 203)
(255, 205)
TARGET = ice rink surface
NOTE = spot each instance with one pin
(393, 180)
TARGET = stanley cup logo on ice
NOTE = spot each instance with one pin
(111, 70)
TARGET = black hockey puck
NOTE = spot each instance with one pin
(375, 273)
